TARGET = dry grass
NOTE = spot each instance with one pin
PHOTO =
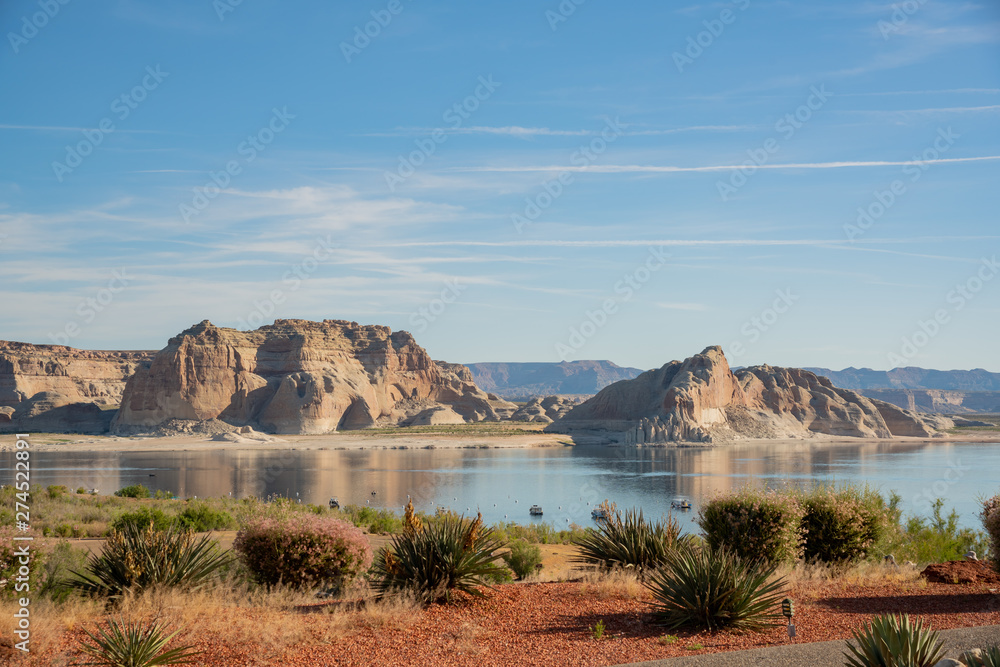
(614, 584)
(859, 573)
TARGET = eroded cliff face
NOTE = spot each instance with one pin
(297, 376)
(62, 389)
(701, 399)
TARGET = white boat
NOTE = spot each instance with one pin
(680, 504)
(598, 513)
(535, 510)
(334, 504)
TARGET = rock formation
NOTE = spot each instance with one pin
(297, 376)
(701, 400)
(60, 389)
(544, 410)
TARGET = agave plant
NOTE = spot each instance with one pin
(433, 561)
(134, 559)
(987, 657)
(130, 644)
(628, 541)
(894, 641)
(714, 589)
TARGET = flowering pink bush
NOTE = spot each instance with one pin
(754, 524)
(990, 516)
(303, 551)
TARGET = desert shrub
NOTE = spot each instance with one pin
(712, 589)
(303, 551)
(523, 558)
(628, 540)
(143, 517)
(840, 526)
(10, 565)
(893, 641)
(201, 518)
(931, 540)
(537, 533)
(136, 559)
(133, 491)
(56, 491)
(133, 644)
(990, 516)
(754, 524)
(60, 562)
(451, 554)
(81, 490)
(375, 521)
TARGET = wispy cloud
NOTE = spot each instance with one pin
(527, 132)
(69, 128)
(681, 306)
(668, 169)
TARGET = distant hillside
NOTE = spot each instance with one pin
(912, 378)
(923, 389)
(545, 379)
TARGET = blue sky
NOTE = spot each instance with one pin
(806, 184)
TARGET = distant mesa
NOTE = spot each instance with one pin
(923, 389)
(701, 399)
(523, 381)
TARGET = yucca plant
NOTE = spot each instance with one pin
(131, 644)
(987, 657)
(134, 559)
(628, 541)
(433, 561)
(714, 589)
(894, 641)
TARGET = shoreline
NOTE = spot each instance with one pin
(49, 442)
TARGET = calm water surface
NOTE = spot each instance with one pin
(566, 481)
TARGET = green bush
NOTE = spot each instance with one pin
(754, 524)
(990, 516)
(143, 517)
(932, 540)
(136, 559)
(452, 553)
(714, 589)
(628, 541)
(201, 518)
(840, 526)
(537, 533)
(63, 559)
(523, 558)
(56, 491)
(133, 491)
(303, 551)
(891, 641)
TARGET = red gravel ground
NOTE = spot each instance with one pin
(548, 624)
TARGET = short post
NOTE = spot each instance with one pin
(788, 610)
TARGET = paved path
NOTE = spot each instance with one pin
(821, 654)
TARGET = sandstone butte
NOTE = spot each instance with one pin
(701, 399)
(297, 376)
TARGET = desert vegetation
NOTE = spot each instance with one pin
(161, 572)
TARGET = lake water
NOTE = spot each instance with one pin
(566, 481)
